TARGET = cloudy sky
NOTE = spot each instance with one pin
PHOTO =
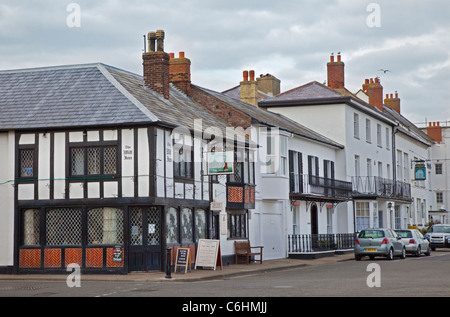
(289, 39)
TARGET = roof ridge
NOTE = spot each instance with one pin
(47, 68)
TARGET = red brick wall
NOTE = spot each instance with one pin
(220, 109)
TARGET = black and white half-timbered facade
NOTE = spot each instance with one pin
(104, 168)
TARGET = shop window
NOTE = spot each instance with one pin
(105, 226)
(63, 226)
(186, 225)
(200, 224)
(171, 225)
(93, 161)
(31, 227)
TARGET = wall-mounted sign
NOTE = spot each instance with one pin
(420, 172)
(117, 254)
(220, 163)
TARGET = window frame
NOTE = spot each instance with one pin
(33, 164)
(101, 159)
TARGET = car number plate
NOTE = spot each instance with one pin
(371, 250)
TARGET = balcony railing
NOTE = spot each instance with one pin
(306, 243)
(373, 185)
(302, 184)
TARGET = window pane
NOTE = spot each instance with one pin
(105, 226)
(31, 227)
(153, 225)
(186, 225)
(171, 225)
(200, 224)
(136, 226)
(110, 160)
(93, 161)
(77, 161)
(63, 226)
(26, 163)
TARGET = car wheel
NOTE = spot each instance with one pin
(390, 255)
(428, 253)
(418, 251)
(358, 257)
(403, 256)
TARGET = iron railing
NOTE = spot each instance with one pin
(305, 243)
(322, 186)
(379, 186)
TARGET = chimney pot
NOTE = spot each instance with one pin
(160, 40)
(339, 57)
(181, 54)
(245, 73)
(151, 37)
(332, 58)
(172, 55)
(252, 75)
(392, 96)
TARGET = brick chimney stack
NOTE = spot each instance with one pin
(393, 103)
(335, 73)
(249, 88)
(156, 65)
(375, 92)
(180, 72)
(434, 131)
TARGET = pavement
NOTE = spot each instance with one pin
(194, 275)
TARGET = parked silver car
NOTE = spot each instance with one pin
(414, 241)
(379, 242)
(439, 236)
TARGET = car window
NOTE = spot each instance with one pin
(404, 233)
(371, 234)
(440, 229)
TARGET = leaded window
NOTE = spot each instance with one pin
(93, 161)
(31, 227)
(63, 226)
(26, 163)
(105, 226)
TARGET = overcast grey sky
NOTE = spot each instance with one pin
(289, 39)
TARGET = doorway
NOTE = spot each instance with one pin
(314, 220)
(145, 238)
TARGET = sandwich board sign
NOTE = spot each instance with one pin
(208, 254)
(183, 259)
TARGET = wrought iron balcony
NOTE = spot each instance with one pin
(302, 186)
(383, 187)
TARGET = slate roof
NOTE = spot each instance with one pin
(90, 95)
(265, 117)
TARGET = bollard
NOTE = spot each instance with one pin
(168, 263)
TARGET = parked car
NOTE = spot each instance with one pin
(439, 236)
(379, 242)
(414, 241)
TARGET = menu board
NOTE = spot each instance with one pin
(208, 254)
(183, 259)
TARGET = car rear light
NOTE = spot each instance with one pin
(357, 241)
(385, 241)
(412, 241)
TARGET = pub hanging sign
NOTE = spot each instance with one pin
(420, 172)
